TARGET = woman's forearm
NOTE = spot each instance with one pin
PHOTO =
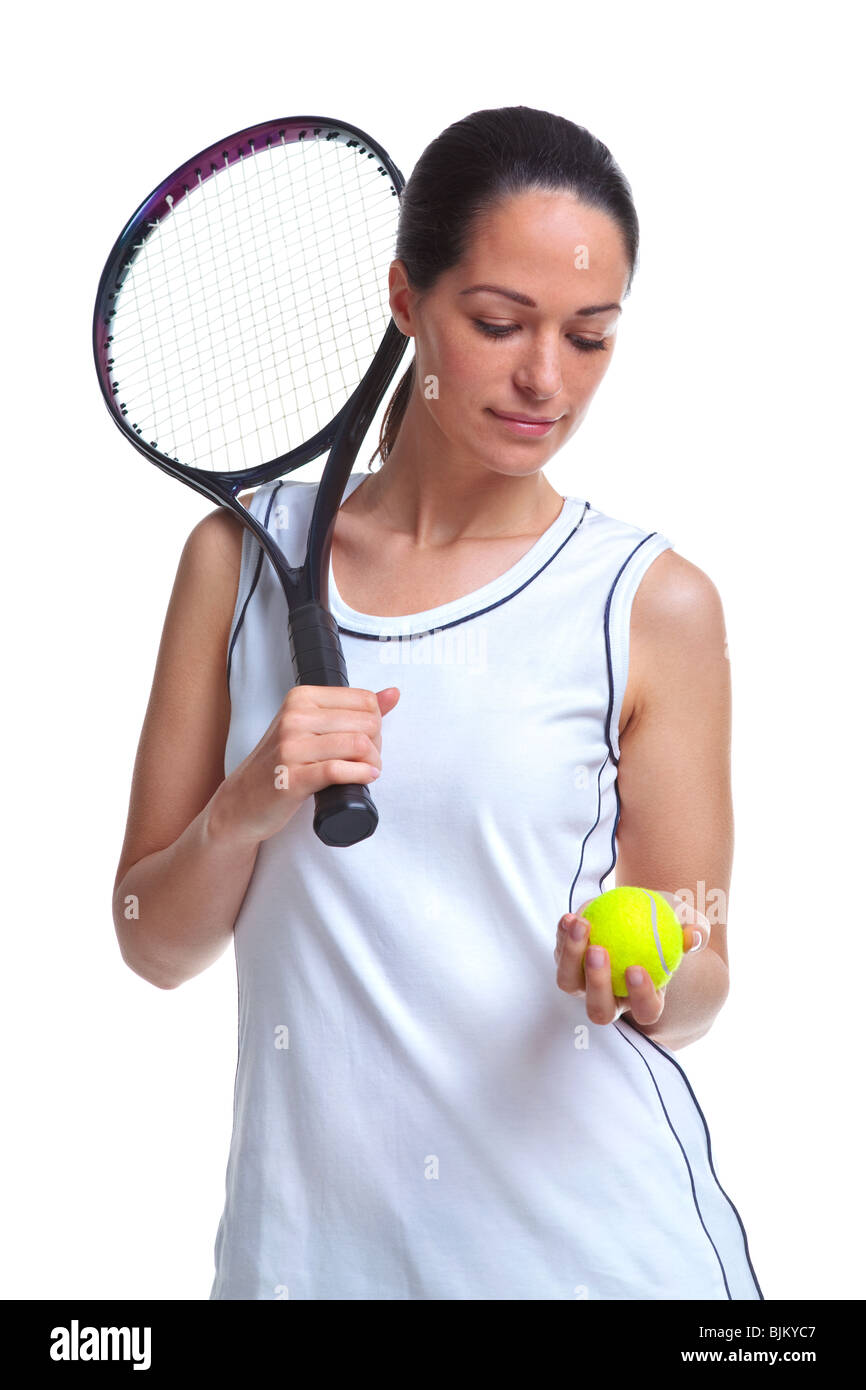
(175, 910)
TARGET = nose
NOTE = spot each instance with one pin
(540, 371)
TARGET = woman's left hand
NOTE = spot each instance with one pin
(588, 972)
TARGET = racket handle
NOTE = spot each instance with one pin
(345, 813)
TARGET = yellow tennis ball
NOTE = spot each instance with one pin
(637, 927)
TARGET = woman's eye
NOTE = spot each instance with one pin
(497, 330)
(590, 344)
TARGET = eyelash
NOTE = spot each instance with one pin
(581, 344)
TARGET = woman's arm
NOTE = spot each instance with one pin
(192, 836)
(183, 873)
(676, 828)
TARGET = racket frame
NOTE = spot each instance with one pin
(305, 584)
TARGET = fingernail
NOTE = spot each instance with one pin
(576, 929)
(595, 955)
(697, 943)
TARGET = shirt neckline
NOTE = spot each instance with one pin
(404, 624)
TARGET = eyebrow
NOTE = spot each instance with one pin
(518, 298)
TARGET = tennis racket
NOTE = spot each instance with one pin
(242, 328)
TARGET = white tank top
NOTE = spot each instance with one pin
(419, 1111)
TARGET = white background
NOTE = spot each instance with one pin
(729, 421)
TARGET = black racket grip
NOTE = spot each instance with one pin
(345, 813)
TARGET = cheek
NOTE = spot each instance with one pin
(459, 362)
(581, 390)
(586, 375)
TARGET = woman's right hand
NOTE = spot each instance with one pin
(320, 737)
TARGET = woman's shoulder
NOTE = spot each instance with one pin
(218, 536)
(215, 544)
(674, 588)
(220, 531)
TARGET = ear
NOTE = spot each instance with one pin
(402, 298)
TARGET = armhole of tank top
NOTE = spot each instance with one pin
(619, 622)
(252, 559)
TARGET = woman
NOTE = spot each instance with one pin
(438, 1096)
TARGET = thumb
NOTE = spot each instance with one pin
(387, 698)
(695, 924)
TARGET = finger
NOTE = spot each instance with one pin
(318, 720)
(694, 939)
(601, 1003)
(695, 925)
(571, 937)
(308, 778)
(336, 772)
(336, 696)
(343, 744)
(645, 1001)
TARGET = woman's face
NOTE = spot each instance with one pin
(534, 343)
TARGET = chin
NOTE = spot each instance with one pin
(518, 465)
(516, 455)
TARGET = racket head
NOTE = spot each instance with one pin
(245, 302)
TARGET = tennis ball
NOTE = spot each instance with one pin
(637, 927)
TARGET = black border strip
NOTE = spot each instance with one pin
(668, 1058)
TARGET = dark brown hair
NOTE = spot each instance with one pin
(467, 169)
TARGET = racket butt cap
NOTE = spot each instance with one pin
(345, 815)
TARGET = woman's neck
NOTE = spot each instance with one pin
(449, 500)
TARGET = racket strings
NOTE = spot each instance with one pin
(282, 377)
(250, 312)
(149, 315)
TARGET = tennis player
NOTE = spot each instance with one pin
(438, 1095)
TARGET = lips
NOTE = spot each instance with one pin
(527, 419)
(526, 426)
